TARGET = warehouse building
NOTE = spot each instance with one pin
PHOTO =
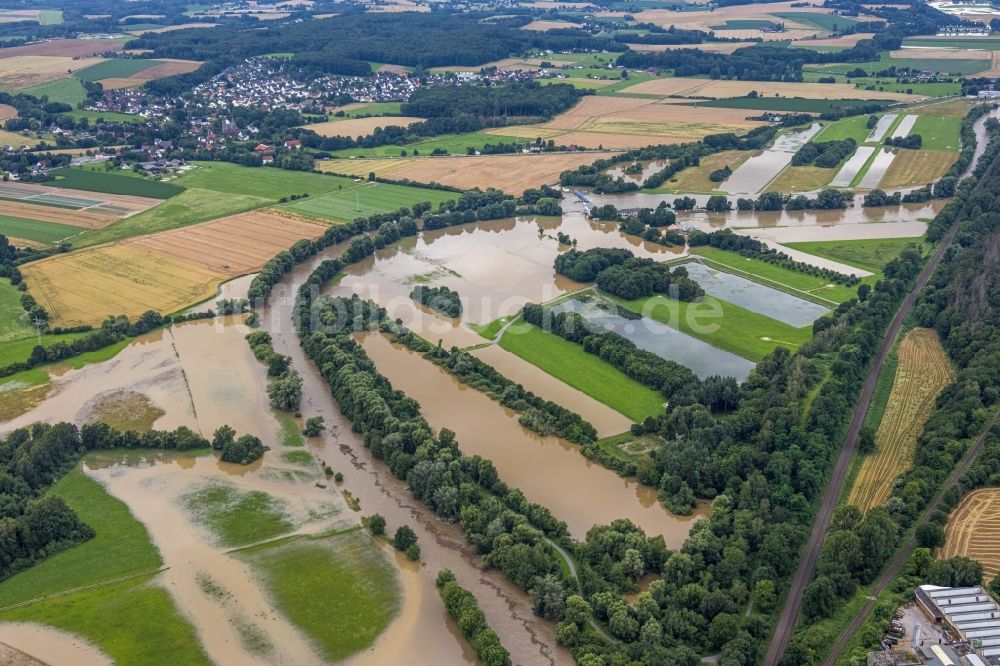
(968, 613)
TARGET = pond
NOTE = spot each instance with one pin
(756, 297)
(702, 358)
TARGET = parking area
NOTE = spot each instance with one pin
(913, 617)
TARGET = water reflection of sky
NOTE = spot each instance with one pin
(755, 297)
(666, 342)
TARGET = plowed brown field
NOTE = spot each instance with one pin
(71, 48)
(922, 373)
(973, 531)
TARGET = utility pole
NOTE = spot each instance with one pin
(39, 323)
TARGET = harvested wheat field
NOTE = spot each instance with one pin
(922, 373)
(71, 48)
(721, 89)
(233, 245)
(86, 286)
(843, 40)
(7, 112)
(26, 71)
(542, 26)
(16, 139)
(510, 173)
(354, 127)
(171, 28)
(973, 531)
(707, 47)
(704, 20)
(87, 219)
(118, 84)
(917, 167)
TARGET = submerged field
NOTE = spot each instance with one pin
(155, 632)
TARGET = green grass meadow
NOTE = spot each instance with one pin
(115, 68)
(112, 183)
(263, 182)
(855, 127)
(870, 255)
(36, 230)
(817, 288)
(569, 363)
(366, 199)
(68, 91)
(452, 144)
(939, 132)
(339, 589)
(191, 206)
(734, 328)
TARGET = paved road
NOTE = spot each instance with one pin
(803, 574)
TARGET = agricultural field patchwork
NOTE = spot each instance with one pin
(26, 71)
(232, 245)
(366, 199)
(917, 168)
(510, 173)
(86, 286)
(923, 371)
(971, 528)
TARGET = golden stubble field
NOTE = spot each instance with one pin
(25, 71)
(165, 272)
(510, 173)
(922, 373)
(917, 167)
(233, 245)
(632, 122)
(973, 531)
(718, 89)
(86, 286)
(354, 127)
(87, 219)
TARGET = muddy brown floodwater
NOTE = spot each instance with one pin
(529, 639)
(549, 470)
(32, 644)
(203, 374)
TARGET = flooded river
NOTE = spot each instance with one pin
(549, 470)
(753, 175)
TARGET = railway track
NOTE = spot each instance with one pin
(788, 618)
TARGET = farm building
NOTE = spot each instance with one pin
(969, 614)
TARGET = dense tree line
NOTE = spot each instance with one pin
(345, 44)
(497, 520)
(953, 303)
(464, 610)
(676, 382)
(639, 278)
(284, 384)
(522, 98)
(746, 246)
(442, 299)
(826, 154)
(911, 141)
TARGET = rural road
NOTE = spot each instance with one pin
(803, 574)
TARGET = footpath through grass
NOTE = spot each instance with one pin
(339, 589)
(366, 199)
(569, 363)
(36, 230)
